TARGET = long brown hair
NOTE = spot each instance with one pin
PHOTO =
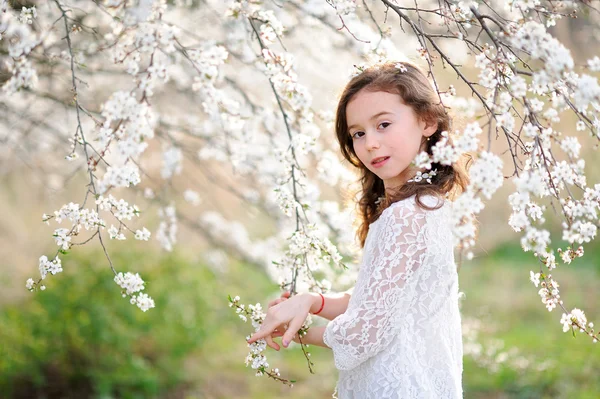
(412, 86)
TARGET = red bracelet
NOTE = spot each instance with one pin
(322, 304)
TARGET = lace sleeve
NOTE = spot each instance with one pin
(396, 254)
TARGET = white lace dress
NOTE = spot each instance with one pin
(401, 334)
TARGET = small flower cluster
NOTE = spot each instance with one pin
(46, 267)
(485, 179)
(525, 211)
(20, 37)
(460, 11)
(129, 124)
(51, 267)
(122, 176)
(151, 39)
(549, 292)
(445, 153)
(576, 320)
(23, 76)
(142, 235)
(401, 67)
(115, 233)
(89, 219)
(207, 62)
(120, 209)
(79, 217)
(310, 243)
(427, 176)
(534, 278)
(132, 285)
(271, 27)
(27, 15)
(533, 38)
(486, 174)
(536, 240)
(581, 226)
(286, 201)
(569, 255)
(343, 7)
(62, 238)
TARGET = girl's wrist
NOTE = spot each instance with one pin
(314, 336)
(314, 300)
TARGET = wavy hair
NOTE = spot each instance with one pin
(411, 84)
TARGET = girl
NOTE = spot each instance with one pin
(399, 334)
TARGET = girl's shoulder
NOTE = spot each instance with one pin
(431, 201)
(408, 206)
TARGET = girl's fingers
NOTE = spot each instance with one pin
(275, 302)
(293, 328)
(272, 343)
(261, 333)
(285, 295)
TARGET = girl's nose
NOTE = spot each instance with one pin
(372, 141)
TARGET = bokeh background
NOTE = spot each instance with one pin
(80, 339)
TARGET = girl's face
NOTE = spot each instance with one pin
(382, 126)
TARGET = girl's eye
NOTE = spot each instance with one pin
(384, 123)
(354, 135)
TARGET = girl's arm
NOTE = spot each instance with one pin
(314, 336)
(335, 304)
(396, 264)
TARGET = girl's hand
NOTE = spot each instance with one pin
(282, 298)
(279, 333)
(280, 330)
(292, 311)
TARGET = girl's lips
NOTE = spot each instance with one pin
(380, 163)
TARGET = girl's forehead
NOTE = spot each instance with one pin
(366, 102)
(374, 93)
(374, 98)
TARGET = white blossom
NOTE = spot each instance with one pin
(594, 64)
(131, 283)
(535, 278)
(27, 15)
(53, 267)
(62, 238)
(571, 146)
(144, 302)
(575, 319)
(486, 174)
(143, 234)
(114, 234)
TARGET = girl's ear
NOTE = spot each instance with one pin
(430, 126)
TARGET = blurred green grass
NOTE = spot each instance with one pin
(80, 338)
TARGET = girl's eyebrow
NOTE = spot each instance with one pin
(374, 117)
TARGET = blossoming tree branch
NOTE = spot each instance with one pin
(214, 86)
